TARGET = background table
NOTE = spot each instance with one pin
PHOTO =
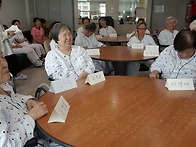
(124, 111)
(114, 41)
(123, 54)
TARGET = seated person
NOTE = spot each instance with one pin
(166, 36)
(18, 112)
(140, 20)
(87, 39)
(106, 30)
(139, 38)
(64, 59)
(25, 43)
(85, 21)
(38, 32)
(178, 60)
(193, 25)
(31, 54)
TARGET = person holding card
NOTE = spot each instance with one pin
(64, 59)
(178, 60)
(17, 112)
(139, 38)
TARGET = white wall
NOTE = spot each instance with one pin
(16, 9)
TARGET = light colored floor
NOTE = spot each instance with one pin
(36, 76)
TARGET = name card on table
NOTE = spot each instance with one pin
(137, 46)
(93, 52)
(113, 35)
(128, 35)
(151, 50)
(58, 86)
(180, 84)
(99, 36)
(60, 111)
(95, 78)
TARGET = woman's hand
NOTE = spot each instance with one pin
(38, 110)
(83, 75)
(10, 33)
(103, 45)
(154, 74)
(30, 103)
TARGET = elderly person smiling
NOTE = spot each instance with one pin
(64, 59)
(178, 60)
(17, 112)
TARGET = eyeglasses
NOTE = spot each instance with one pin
(141, 28)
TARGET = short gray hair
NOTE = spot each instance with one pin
(169, 18)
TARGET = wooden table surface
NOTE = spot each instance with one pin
(119, 39)
(121, 53)
(124, 111)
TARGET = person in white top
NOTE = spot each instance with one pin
(178, 60)
(139, 38)
(106, 30)
(193, 25)
(166, 36)
(85, 21)
(64, 59)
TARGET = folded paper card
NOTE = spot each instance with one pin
(60, 111)
(128, 35)
(151, 50)
(99, 36)
(93, 52)
(62, 85)
(113, 35)
(14, 28)
(95, 78)
(137, 46)
(180, 84)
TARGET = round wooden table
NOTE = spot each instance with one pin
(119, 39)
(123, 111)
(120, 56)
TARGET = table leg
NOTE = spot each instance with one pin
(120, 68)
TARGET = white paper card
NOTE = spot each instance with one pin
(62, 85)
(151, 50)
(128, 35)
(180, 84)
(60, 111)
(137, 46)
(99, 36)
(113, 35)
(95, 78)
(14, 28)
(93, 52)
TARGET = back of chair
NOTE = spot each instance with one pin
(47, 45)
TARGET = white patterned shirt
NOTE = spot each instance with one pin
(147, 40)
(80, 29)
(173, 67)
(107, 31)
(59, 65)
(166, 37)
(15, 126)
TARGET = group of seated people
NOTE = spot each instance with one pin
(18, 112)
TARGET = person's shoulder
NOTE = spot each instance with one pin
(76, 47)
(168, 50)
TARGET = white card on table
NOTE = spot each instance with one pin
(58, 86)
(113, 35)
(137, 46)
(60, 111)
(180, 84)
(99, 36)
(95, 78)
(128, 35)
(93, 52)
(151, 50)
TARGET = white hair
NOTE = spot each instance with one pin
(169, 18)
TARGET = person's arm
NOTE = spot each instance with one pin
(130, 41)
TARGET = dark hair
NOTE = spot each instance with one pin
(35, 19)
(56, 30)
(0, 1)
(143, 23)
(14, 21)
(90, 27)
(42, 20)
(53, 23)
(140, 19)
(5, 26)
(185, 39)
(84, 19)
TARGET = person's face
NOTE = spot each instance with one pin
(65, 38)
(38, 23)
(171, 24)
(141, 30)
(86, 21)
(186, 54)
(4, 72)
(17, 24)
(103, 23)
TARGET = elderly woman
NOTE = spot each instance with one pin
(166, 36)
(178, 60)
(87, 40)
(106, 30)
(64, 59)
(140, 38)
(193, 25)
(17, 112)
(85, 21)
